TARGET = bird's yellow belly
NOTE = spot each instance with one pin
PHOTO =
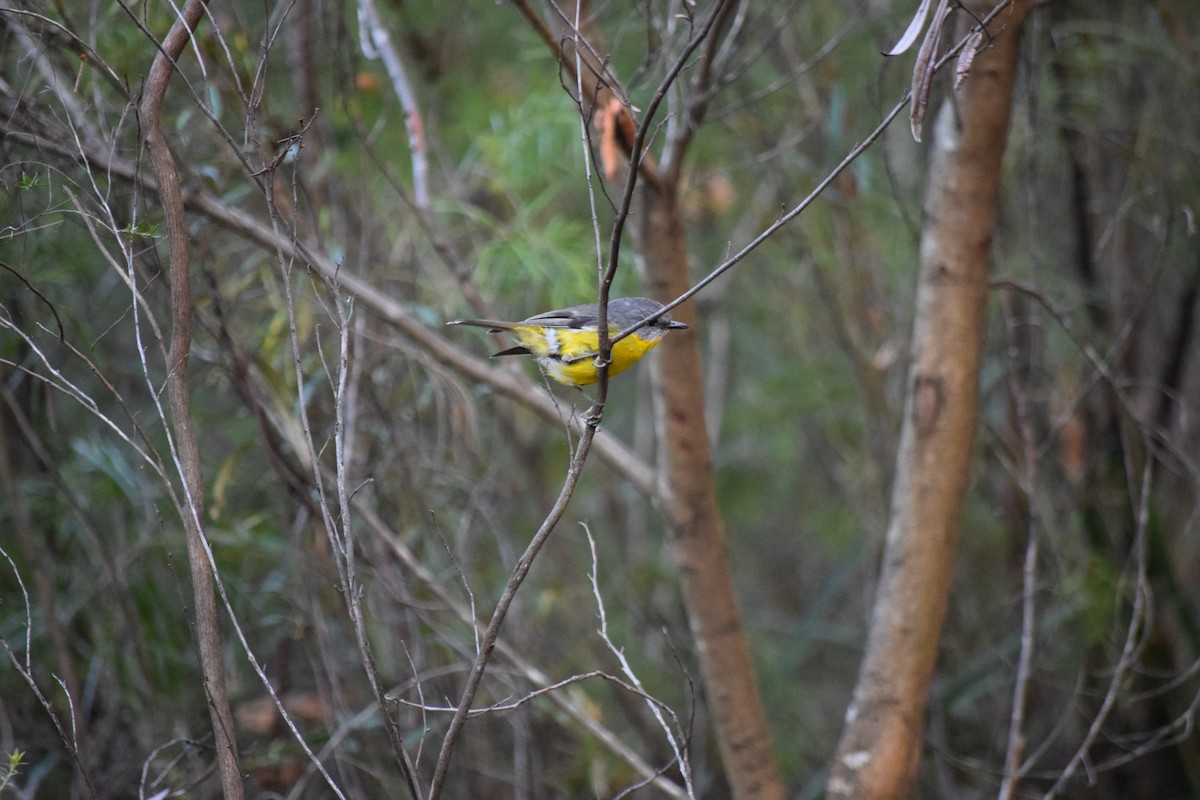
(569, 356)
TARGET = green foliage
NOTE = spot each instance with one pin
(9, 771)
(142, 230)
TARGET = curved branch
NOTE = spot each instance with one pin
(163, 164)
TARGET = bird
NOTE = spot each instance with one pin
(566, 341)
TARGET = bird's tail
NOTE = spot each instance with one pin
(492, 324)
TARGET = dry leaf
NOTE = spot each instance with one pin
(966, 57)
(913, 30)
(617, 131)
(922, 82)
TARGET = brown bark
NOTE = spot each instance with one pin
(191, 506)
(697, 529)
(881, 744)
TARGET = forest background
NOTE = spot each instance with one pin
(270, 529)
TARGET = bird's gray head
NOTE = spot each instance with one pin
(627, 311)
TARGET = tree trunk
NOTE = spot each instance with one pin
(697, 530)
(881, 743)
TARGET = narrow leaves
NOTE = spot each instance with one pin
(922, 81)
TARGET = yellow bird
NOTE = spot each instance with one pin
(566, 341)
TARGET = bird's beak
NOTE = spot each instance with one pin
(676, 325)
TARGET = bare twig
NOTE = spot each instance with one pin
(1136, 631)
(541, 691)
(338, 527)
(701, 91)
(146, 780)
(25, 670)
(1102, 372)
(89, 55)
(1027, 470)
(520, 570)
(678, 747)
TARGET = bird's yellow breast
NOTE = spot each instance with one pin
(568, 355)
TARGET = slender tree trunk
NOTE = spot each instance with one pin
(881, 744)
(191, 505)
(696, 528)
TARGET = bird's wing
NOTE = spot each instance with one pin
(574, 317)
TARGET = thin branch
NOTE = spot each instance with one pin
(492, 632)
(635, 156)
(1027, 468)
(377, 43)
(1135, 633)
(25, 670)
(596, 63)
(541, 691)
(340, 530)
(656, 707)
(701, 92)
(89, 56)
(58, 381)
(1102, 371)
